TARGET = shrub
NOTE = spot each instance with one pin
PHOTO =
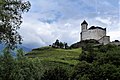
(108, 47)
(57, 73)
(81, 69)
(87, 56)
(19, 68)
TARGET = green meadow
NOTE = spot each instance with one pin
(51, 57)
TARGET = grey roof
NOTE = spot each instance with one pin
(93, 27)
(84, 22)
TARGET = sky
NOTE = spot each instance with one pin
(49, 20)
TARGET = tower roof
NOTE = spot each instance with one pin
(84, 22)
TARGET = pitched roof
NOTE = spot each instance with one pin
(93, 27)
(84, 22)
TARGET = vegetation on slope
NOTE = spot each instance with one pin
(53, 56)
(93, 63)
(102, 63)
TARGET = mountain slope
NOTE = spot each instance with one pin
(53, 55)
(14, 52)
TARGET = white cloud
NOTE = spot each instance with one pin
(49, 20)
(114, 34)
(104, 20)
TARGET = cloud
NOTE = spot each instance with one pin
(49, 20)
(104, 20)
(49, 16)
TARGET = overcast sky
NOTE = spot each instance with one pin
(49, 20)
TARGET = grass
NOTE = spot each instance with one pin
(51, 56)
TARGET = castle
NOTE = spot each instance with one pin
(97, 33)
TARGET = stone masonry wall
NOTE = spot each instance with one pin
(104, 40)
(93, 34)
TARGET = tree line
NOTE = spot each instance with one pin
(58, 44)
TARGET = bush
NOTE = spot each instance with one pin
(57, 73)
(19, 68)
(81, 69)
(109, 71)
(87, 56)
(94, 71)
(112, 57)
(84, 77)
(83, 43)
(6, 65)
(108, 47)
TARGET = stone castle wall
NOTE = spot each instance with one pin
(93, 34)
(116, 43)
(104, 40)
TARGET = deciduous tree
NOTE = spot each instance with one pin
(10, 21)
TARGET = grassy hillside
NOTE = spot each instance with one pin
(52, 57)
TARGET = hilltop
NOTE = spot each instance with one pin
(53, 56)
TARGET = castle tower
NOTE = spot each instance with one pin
(84, 25)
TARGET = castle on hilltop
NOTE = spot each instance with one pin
(97, 33)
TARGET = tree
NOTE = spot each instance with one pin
(66, 45)
(82, 69)
(57, 43)
(10, 21)
(19, 68)
(57, 73)
(6, 65)
(109, 71)
(61, 45)
(87, 56)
